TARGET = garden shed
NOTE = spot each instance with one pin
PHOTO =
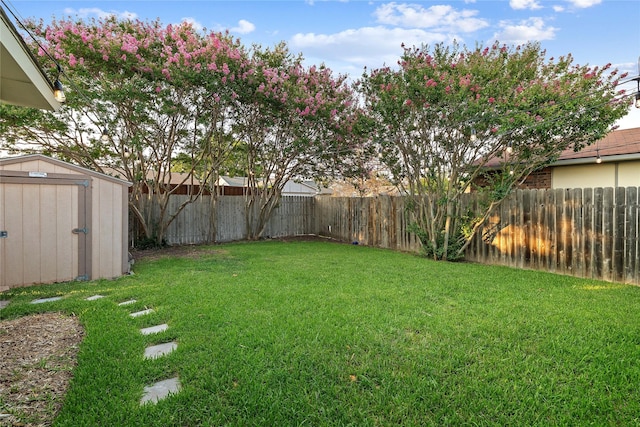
(60, 222)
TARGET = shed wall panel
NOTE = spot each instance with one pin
(13, 273)
(66, 252)
(105, 250)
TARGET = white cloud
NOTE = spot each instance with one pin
(438, 17)
(583, 4)
(244, 27)
(94, 11)
(524, 4)
(532, 29)
(558, 8)
(352, 50)
(194, 23)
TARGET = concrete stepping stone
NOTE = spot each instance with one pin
(155, 351)
(4, 303)
(160, 390)
(94, 297)
(131, 301)
(43, 300)
(154, 329)
(142, 312)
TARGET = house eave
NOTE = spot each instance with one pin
(22, 80)
(589, 160)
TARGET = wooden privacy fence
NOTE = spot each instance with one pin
(373, 221)
(194, 225)
(590, 233)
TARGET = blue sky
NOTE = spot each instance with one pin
(347, 35)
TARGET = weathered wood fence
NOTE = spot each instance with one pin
(194, 225)
(590, 233)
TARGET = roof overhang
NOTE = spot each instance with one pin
(22, 80)
(605, 159)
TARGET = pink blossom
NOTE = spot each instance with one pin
(492, 100)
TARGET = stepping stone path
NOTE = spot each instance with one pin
(43, 300)
(155, 351)
(162, 389)
(141, 313)
(4, 303)
(154, 329)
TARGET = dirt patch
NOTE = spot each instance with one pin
(197, 251)
(183, 251)
(37, 357)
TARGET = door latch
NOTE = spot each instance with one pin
(4, 234)
(80, 230)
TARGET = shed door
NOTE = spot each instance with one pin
(44, 224)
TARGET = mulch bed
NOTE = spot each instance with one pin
(37, 357)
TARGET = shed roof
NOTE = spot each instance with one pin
(33, 157)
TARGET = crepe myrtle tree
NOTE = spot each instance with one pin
(156, 92)
(296, 122)
(446, 111)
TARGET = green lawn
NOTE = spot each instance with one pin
(317, 333)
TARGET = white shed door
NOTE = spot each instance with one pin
(39, 227)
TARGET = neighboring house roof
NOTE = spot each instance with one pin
(175, 178)
(22, 80)
(616, 146)
(233, 181)
(291, 188)
(304, 188)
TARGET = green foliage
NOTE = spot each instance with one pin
(449, 112)
(435, 250)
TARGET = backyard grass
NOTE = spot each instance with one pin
(325, 334)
